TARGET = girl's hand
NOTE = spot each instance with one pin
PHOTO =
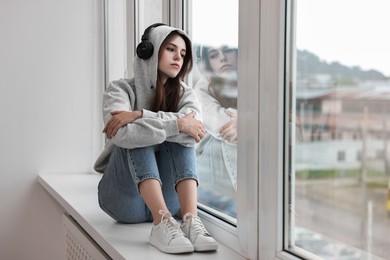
(229, 130)
(119, 119)
(232, 113)
(191, 126)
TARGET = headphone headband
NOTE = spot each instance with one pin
(145, 36)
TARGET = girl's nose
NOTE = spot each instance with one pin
(177, 56)
(222, 56)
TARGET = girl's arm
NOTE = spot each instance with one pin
(189, 103)
(152, 128)
(216, 117)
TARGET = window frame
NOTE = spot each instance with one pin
(275, 79)
(115, 43)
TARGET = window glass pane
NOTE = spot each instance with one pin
(215, 39)
(150, 12)
(340, 117)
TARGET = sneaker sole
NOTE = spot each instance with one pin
(206, 247)
(171, 249)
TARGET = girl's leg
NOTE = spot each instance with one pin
(187, 193)
(151, 192)
(179, 161)
(119, 187)
(178, 175)
(130, 191)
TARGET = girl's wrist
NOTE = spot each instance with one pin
(140, 114)
(179, 124)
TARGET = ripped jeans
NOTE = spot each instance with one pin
(118, 190)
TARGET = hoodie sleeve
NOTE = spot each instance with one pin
(153, 128)
(216, 113)
(188, 103)
(118, 96)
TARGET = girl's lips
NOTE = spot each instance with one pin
(177, 66)
(225, 67)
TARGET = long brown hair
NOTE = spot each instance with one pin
(167, 96)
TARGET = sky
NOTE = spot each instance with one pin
(352, 32)
(224, 26)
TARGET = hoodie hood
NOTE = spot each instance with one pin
(145, 71)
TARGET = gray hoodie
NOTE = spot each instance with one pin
(138, 94)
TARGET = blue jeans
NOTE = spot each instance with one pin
(118, 190)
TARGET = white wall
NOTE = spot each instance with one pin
(50, 84)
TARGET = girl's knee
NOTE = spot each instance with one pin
(125, 214)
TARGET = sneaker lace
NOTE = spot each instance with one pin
(197, 226)
(170, 224)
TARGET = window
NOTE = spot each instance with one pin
(148, 12)
(214, 29)
(339, 73)
(341, 156)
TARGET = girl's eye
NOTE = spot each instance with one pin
(213, 55)
(170, 49)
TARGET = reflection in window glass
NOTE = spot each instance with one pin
(215, 39)
(340, 157)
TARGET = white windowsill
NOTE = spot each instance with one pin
(77, 194)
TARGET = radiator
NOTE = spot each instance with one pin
(78, 244)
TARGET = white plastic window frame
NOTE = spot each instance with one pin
(114, 40)
(269, 67)
(265, 74)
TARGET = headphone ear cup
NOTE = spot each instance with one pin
(145, 50)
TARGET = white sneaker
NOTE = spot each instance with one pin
(168, 237)
(193, 228)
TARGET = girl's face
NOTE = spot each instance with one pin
(171, 57)
(222, 60)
